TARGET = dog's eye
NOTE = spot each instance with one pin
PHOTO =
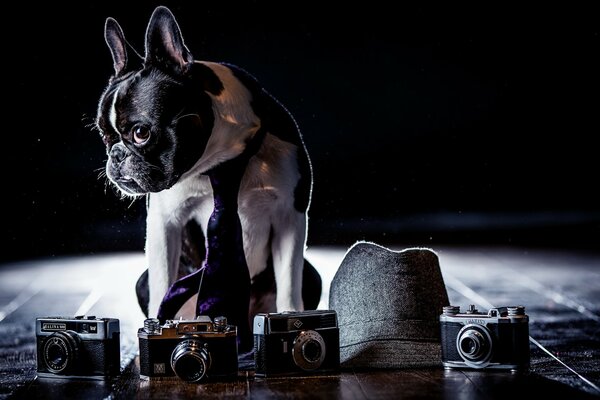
(140, 134)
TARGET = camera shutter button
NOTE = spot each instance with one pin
(220, 323)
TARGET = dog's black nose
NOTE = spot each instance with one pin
(118, 153)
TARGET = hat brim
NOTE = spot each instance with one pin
(391, 353)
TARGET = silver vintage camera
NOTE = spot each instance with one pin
(296, 343)
(78, 347)
(498, 339)
(193, 350)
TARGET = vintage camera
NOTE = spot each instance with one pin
(295, 343)
(496, 340)
(81, 346)
(193, 350)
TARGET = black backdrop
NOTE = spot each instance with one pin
(426, 125)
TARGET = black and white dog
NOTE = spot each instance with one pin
(167, 121)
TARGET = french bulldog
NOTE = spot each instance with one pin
(168, 122)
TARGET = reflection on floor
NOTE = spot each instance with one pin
(561, 292)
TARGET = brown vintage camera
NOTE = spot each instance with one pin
(193, 350)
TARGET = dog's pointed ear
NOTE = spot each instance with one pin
(113, 34)
(164, 43)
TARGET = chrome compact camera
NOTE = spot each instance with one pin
(496, 340)
(296, 343)
(194, 350)
(78, 347)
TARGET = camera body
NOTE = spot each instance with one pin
(496, 340)
(193, 350)
(296, 343)
(78, 347)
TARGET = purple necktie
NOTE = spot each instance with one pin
(225, 289)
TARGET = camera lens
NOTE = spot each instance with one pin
(474, 345)
(190, 360)
(60, 351)
(469, 345)
(311, 351)
(308, 350)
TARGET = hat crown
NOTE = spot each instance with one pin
(381, 294)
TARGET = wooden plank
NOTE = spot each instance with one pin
(402, 384)
(507, 385)
(333, 386)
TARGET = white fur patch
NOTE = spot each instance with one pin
(112, 115)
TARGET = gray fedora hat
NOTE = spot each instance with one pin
(388, 305)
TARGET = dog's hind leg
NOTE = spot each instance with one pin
(287, 246)
(264, 290)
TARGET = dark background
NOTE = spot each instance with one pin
(462, 124)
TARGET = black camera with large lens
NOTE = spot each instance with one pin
(194, 350)
(78, 347)
(498, 339)
(296, 343)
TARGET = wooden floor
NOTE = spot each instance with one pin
(560, 289)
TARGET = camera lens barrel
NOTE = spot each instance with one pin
(474, 344)
(190, 360)
(308, 351)
(60, 351)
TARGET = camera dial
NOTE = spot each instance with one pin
(152, 325)
(474, 345)
(516, 310)
(451, 310)
(309, 350)
(220, 324)
(60, 351)
(190, 360)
